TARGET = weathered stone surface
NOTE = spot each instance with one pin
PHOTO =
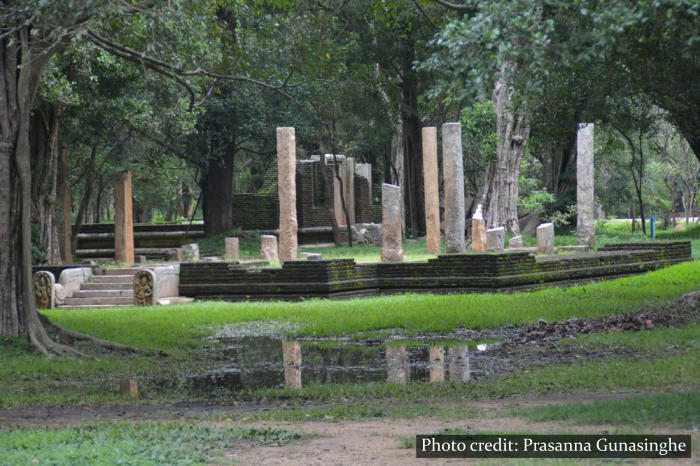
(495, 239)
(478, 231)
(123, 220)
(545, 239)
(397, 370)
(453, 176)
(432, 190)
(436, 355)
(175, 255)
(367, 233)
(59, 294)
(291, 357)
(190, 252)
(167, 282)
(516, 242)
(232, 249)
(141, 259)
(72, 278)
(286, 169)
(212, 259)
(458, 357)
(144, 288)
(314, 257)
(44, 292)
(346, 172)
(585, 197)
(268, 247)
(392, 245)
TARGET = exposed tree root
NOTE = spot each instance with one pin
(97, 341)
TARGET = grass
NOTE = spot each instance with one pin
(170, 327)
(129, 443)
(655, 341)
(681, 410)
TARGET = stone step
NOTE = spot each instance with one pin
(103, 294)
(107, 286)
(111, 279)
(86, 306)
(122, 301)
(125, 271)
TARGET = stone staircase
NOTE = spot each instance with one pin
(107, 288)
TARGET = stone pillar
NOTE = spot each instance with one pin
(286, 176)
(432, 190)
(495, 239)
(459, 363)
(232, 249)
(516, 242)
(291, 358)
(453, 176)
(436, 355)
(123, 220)
(585, 197)
(392, 247)
(44, 289)
(545, 239)
(190, 252)
(478, 231)
(365, 171)
(268, 248)
(398, 370)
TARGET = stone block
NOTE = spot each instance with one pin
(516, 242)
(495, 239)
(190, 252)
(232, 249)
(268, 247)
(545, 238)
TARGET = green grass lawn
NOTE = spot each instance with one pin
(680, 410)
(142, 443)
(185, 325)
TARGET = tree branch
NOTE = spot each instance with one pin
(456, 6)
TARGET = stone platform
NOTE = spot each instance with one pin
(457, 273)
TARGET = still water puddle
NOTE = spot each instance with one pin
(257, 362)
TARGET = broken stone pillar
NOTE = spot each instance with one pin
(516, 242)
(291, 358)
(459, 363)
(436, 359)
(545, 239)
(453, 176)
(397, 370)
(232, 250)
(478, 231)
(268, 247)
(123, 220)
(286, 176)
(432, 190)
(190, 252)
(495, 239)
(392, 247)
(585, 197)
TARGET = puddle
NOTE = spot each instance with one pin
(258, 362)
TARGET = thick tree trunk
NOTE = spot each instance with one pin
(44, 130)
(513, 128)
(217, 195)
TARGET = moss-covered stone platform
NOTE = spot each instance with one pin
(459, 273)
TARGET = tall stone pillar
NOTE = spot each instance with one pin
(453, 175)
(286, 179)
(123, 220)
(432, 190)
(585, 197)
(392, 246)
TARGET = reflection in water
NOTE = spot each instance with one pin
(436, 359)
(291, 359)
(459, 363)
(397, 370)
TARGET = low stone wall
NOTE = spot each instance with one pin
(459, 273)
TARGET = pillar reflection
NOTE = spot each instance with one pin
(291, 358)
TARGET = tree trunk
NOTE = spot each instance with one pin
(413, 160)
(44, 130)
(217, 195)
(513, 129)
(65, 208)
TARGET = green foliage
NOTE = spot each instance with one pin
(143, 443)
(672, 410)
